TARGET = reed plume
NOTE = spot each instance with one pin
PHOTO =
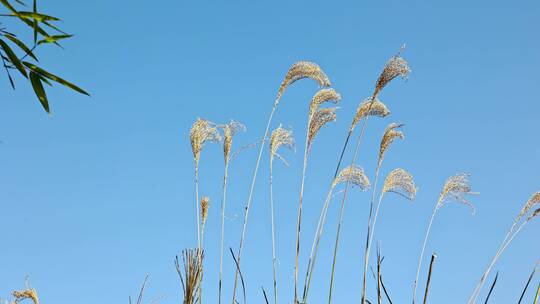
(202, 131)
(395, 67)
(317, 118)
(297, 71)
(229, 130)
(455, 189)
(280, 137)
(29, 294)
(520, 221)
(369, 107)
(190, 276)
(354, 175)
(391, 133)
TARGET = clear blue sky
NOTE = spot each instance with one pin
(101, 193)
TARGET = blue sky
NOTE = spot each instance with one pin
(100, 193)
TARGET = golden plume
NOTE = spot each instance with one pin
(531, 203)
(229, 130)
(205, 203)
(202, 131)
(390, 134)
(395, 67)
(319, 119)
(300, 70)
(323, 95)
(400, 182)
(369, 107)
(455, 188)
(354, 175)
(280, 137)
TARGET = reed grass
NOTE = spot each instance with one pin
(519, 222)
(455, 189)
(190, 275)
(229, 130)
(280, 137)
(297, 71)
(317, 118)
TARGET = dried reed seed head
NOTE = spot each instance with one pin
(229, 130)
(319, 119)
(456, 188)
(529, 205)
(280, 137)
(400, 182)
(300, 70)
(369, 107)
(395, 67)
(205, 204)
(202, 131)
(26, 294)
(390, 134)
(192, 259)
(354, 175)
(534, 214)
(323, 95)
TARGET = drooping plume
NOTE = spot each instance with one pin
(390, 134)
(531, 203)
(229, 130)
(401, 182)
(300, 70)
(354, 175)
(319, 119)
(395, 67)
(30, 294)
(202, 131)
(322, 96)
(456, 188)
(369, 107)
(280, 137)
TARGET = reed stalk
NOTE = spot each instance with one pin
(455, 189)
(433, 257)
(297, 71)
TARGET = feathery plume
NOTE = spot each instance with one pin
(202, 131)
(26, 294)
(369, 107)
(322, 96)
(396, 66)
(192, 273)
(300, 70)
(534, 214)
(320, 118)
(354, 175)
(401, 182)
(205, 203)
(390, 134)
(455, 188)
(280, 137)
(229, 130)
(531, 203)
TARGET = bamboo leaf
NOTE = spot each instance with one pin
(39, 90)
(37, 16)
(8, 6)
(22, 46)
(13, 58)
(55, 78)
(54, 39)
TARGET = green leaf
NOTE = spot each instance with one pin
(39, 90)
(21, 45)
(54, 39)
(13, 58)
(52, 77)
(37, 16)
(35, 22)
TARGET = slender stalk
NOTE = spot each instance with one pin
(197, 205)
(492, 287)
(273, 234)
(320, 224)
(223, 205)
(526, 286)
(415, 285)
(379, 295)
(299, 220)
(246, 213)
(433, 257)
(478, 288)
(347, 184)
